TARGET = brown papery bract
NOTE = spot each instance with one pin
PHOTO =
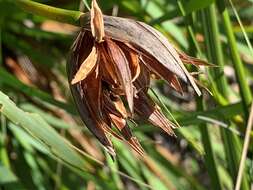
(97, 22)
(112, 62)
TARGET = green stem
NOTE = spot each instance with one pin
(241, 78)
(3, 151)
(215, 55)
(189, 28)
(209, 156)
(62, 15)
(215, 50)
(237, 62)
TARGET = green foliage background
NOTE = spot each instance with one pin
(44, 145)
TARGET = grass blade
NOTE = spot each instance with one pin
(36, 126)
(237, 62)
(215, 55)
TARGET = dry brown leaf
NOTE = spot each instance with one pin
(117, 119)
(92, 93)
(174, 57)
(58, 27)
(152, 165)
(17, 70)
(85, 114)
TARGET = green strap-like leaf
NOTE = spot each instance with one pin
(39, 129)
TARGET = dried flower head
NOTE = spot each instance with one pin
(110, 68)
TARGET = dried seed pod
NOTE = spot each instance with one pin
(111, 62)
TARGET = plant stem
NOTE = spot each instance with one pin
(232, 145)
(215, 50)
(237, 62)
(210, 162)
(62, 15)
(189, 28)
(209, 157)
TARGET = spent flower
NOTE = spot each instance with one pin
(111, 64)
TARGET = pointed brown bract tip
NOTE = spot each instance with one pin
(193, 60)
(146, 109)
(97, 22)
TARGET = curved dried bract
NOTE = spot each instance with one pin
(162, 72)
(108, 72)
(193, 61)
(86, 67)
(94, 99)
(92, 93)
(136, 34)
(122, 69)
(119, 121)
(142, 83)
(148, 110)
(174, 56)
(133, 58)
